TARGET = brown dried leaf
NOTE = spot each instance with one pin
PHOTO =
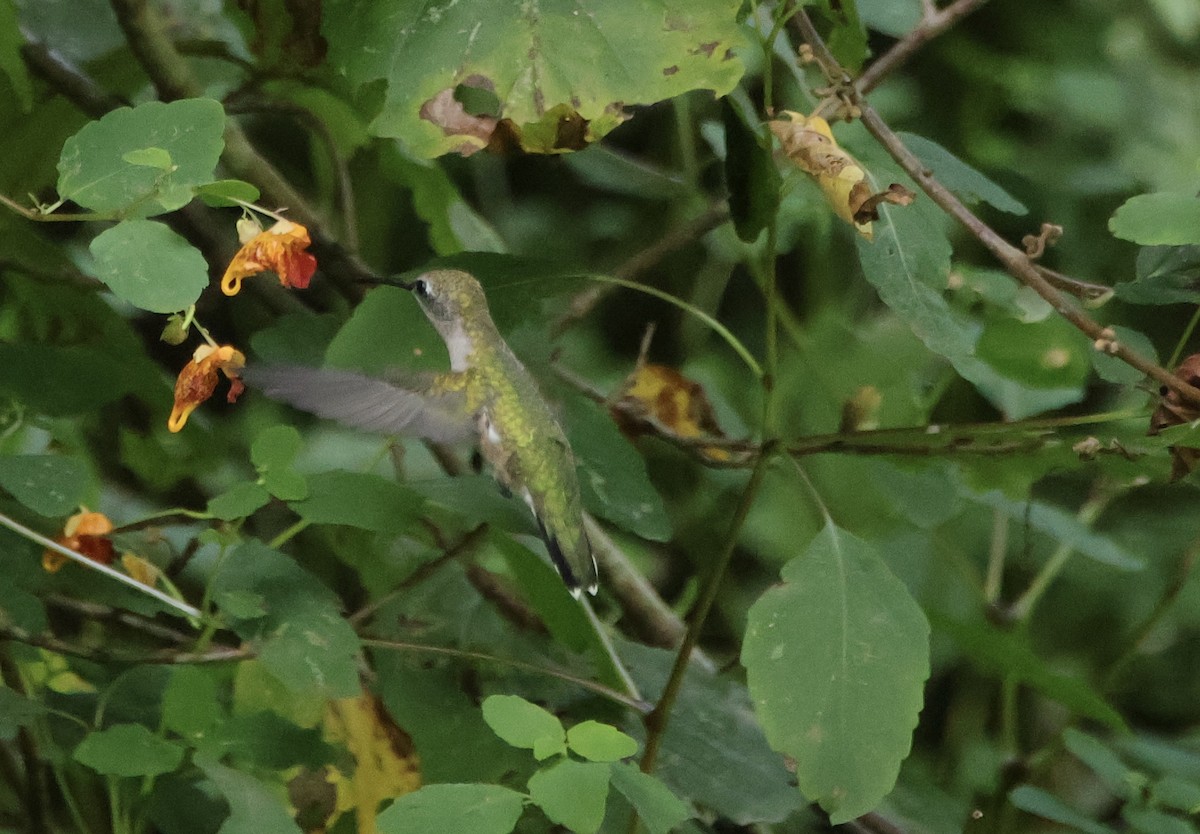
(808, 142)
(448, 113)
(1173, 411)
(659, 398)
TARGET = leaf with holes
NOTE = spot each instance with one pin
(549, 76)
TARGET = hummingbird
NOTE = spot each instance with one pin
(487, 395)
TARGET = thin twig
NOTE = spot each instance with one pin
(933, 23)
(446, 651)
(113, 573)
(221, 654)
(657, 720)
(65, 77)
(1015, 261)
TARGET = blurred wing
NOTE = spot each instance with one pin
(365, 402)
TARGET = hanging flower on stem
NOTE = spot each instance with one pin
(198, 380)
(87, 533)
(279, 249)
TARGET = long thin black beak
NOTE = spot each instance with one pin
(390, 281)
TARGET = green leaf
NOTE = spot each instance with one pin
(50, 485)
(1008, 655)
(542, 66)
(1173, 792)
(907, 263)
(1165, 275)
(190, 702)
(239, 501)
(1048, 806)
(268, 740)
(1122, 780)
(836, 659)
(272, 453)
(1036, 366)
(612, 475)
(572, 794)
(600, 742)
(304, 641)
(750, 174)
(128, 750)
(150, 157)
(227, 193)
(1112, 369)
(1160, 219)
(148, 265)
(1153, 821)
(16, 711)
(525, 725)
(61, 381)
(658, 808)
(359, 499)
(891, 17)
(253, 807)
(958, 176)
(463, 809)
(242, 605)
(714, 749)
(93, 171)
(388, 330)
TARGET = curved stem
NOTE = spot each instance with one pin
(1015, 261)
(720, 329)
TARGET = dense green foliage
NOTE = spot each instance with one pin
(883, 540)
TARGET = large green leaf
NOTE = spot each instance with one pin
(128, 750)
(958, 176)
(1165, 275)
(150, 266)
(1048, 806)
(463, 809)
(1163, 219)
(253, 807)
(659, 809)
(560, 70)
(358, 499)
(524, 724)
(303, 639)
(94, 169)
(572, 794)
(836, 659)
(47, 484)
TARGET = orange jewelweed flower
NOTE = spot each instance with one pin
(86, 533)
(280, 249)
(198, 380)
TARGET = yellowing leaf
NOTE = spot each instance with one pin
(386, 763)
(808, 142)
(671, 404)
(140, 569)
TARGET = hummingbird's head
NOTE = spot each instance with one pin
(448, 296)
(454, 302)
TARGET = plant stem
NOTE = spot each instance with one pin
(600, 689)
(997, 552)
(124, 578)
(658, 718)
(1016, 262)
(1022, 609)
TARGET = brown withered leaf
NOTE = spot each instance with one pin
(386, 764)
(448, 113)
(1173, 411)
(658, 398)
(808, 143)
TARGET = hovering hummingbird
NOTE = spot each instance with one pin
(487, 395)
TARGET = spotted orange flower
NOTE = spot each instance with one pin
(198, 380)
(86, 533)
(279, 248)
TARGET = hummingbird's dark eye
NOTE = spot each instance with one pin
(421, 287)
